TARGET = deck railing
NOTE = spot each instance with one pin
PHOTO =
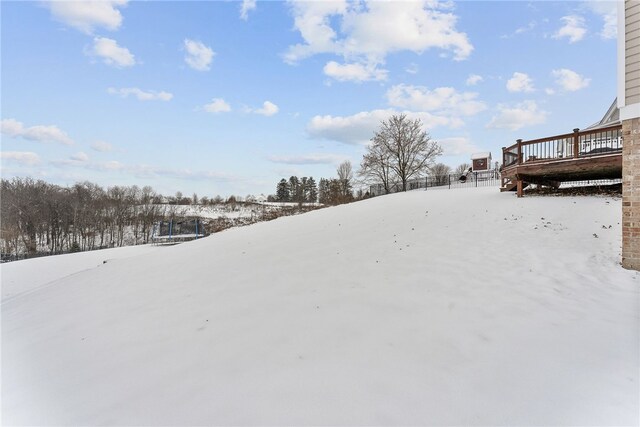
(573, 145)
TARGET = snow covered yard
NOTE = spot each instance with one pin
(20, 277)
(465, 307)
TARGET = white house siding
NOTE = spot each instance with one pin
(632, 51)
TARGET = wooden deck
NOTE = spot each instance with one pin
(591, 154)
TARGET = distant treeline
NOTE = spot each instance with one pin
(38, 217)
(42, 217)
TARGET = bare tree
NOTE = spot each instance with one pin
(375, 167)
(441, 173)
(39, 217)
(232, 201)
(178, 197)
(150, 212)
(462, 169)
(345, 178)
(411, 150)
(118, 212)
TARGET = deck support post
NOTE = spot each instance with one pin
(519, 187)
(576, 143)
(519, 141)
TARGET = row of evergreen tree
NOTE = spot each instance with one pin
(298, 190)
(332, 191)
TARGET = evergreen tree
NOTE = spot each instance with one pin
(283, 191)
(323, 191)
(330, 191)
(336, 192)
(304, 189)
(294, 189)
(313, 190)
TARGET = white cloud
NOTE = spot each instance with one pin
(520, 82)
(609, 12)
(217, 105)
(40, 133)
(442, 100)
(610, 27)
(113, 165)
(268, 109)
(550, 91)
(412, 68)
(143, 170)
(457, 146)
(46, 133)
(102, 146)
(520, 30)
(574, 28)
(526, 29)
(311, 19)
(11, 127)
(356, 72)
(359, 128)
(569, 80)
(108, 166)
(366, 32)
(199, 56)
(86, 16)
(111, 53)
(152, 171)
(473, 79)
(245, 7)
(523, 114)
(26, 158)
(140, 94)
(80, 156)
(309, 159)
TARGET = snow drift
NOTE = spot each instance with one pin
(465, 307)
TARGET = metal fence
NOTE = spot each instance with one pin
(474, 179)
(489, 178)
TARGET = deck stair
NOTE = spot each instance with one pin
(511, 184)
(508, 184)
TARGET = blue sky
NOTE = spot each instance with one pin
(230, 97)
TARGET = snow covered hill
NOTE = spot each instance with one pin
(465, 307)
(21, 277)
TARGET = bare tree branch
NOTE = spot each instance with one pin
(399, 150)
